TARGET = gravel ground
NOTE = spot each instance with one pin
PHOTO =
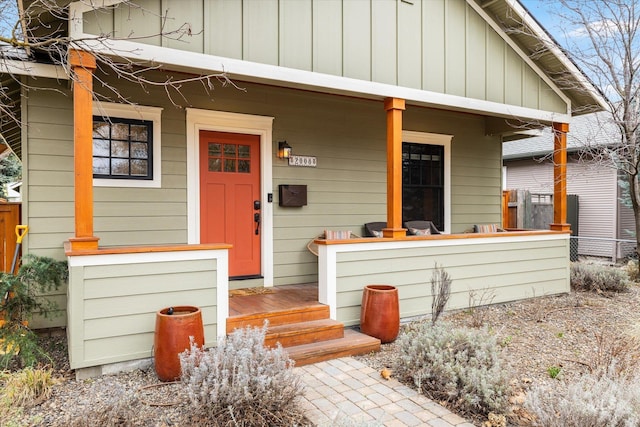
(573, 332)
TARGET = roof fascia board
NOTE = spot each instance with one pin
(539, 32)
(475, 6)
(33, 69)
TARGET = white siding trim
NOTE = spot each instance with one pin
(327, 294)
(134, 112)
(220, 121)
(445, 141)
(222, 293)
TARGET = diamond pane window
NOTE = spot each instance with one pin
(122, 148)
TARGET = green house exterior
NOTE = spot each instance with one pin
(314, 73)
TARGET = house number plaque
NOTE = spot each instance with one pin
(305, 161)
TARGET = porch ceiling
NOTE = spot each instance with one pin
(10, 130)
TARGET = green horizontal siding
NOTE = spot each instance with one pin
(506, 270)
(443, 46)
(112, 308)
(345, 190)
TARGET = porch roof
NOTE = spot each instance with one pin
(502, 15)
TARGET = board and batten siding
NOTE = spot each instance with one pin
(113, 302)
(597, 190)
(482, 270)
(444, 46)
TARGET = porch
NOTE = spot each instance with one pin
(114, 293)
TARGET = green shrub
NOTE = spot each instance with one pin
(457, 365)
(21, 298)
(592, 400)
(598, 278)
(240, 382)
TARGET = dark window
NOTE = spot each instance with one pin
(423, 183)
(122, 148)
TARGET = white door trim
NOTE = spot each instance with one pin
(221, 121)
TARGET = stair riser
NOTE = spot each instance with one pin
(278, 318)
(329, 354)
(304, 336)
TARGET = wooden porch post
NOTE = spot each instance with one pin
(560, 177)
(394, 108)
(83, 65)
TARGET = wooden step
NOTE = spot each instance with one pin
(353, 343)
(293, 334)
(279, 317)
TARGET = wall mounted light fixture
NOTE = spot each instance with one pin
(284, 150)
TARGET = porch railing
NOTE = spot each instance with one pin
(114, 295)
(492, 268)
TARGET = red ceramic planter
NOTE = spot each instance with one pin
(172, 338)
(380, 312)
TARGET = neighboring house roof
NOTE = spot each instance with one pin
(591, 130)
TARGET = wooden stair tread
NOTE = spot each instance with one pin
(353, 343)
(279, 317)
(291, 334)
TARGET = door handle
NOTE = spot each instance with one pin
(256, 218)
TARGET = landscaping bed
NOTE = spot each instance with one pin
(543, 341)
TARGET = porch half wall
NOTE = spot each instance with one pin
(113, 300)
(484, 270)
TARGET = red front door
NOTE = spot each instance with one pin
(230, 197)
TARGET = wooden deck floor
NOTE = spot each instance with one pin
(282, 298)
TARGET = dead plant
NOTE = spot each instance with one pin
(478, 306)
(440, 291)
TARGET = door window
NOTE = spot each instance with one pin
(233, 158)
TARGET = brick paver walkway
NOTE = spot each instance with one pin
(348, 388)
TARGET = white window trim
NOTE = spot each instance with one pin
(221, 121)
(134, 112)
(445, 141)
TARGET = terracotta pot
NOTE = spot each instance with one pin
(172, 338)
(380, 312)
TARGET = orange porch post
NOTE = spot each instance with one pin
(394, 108)
(83, 65)
(560, 177)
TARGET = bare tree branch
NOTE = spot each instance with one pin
(602, 38)
(37, 31)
